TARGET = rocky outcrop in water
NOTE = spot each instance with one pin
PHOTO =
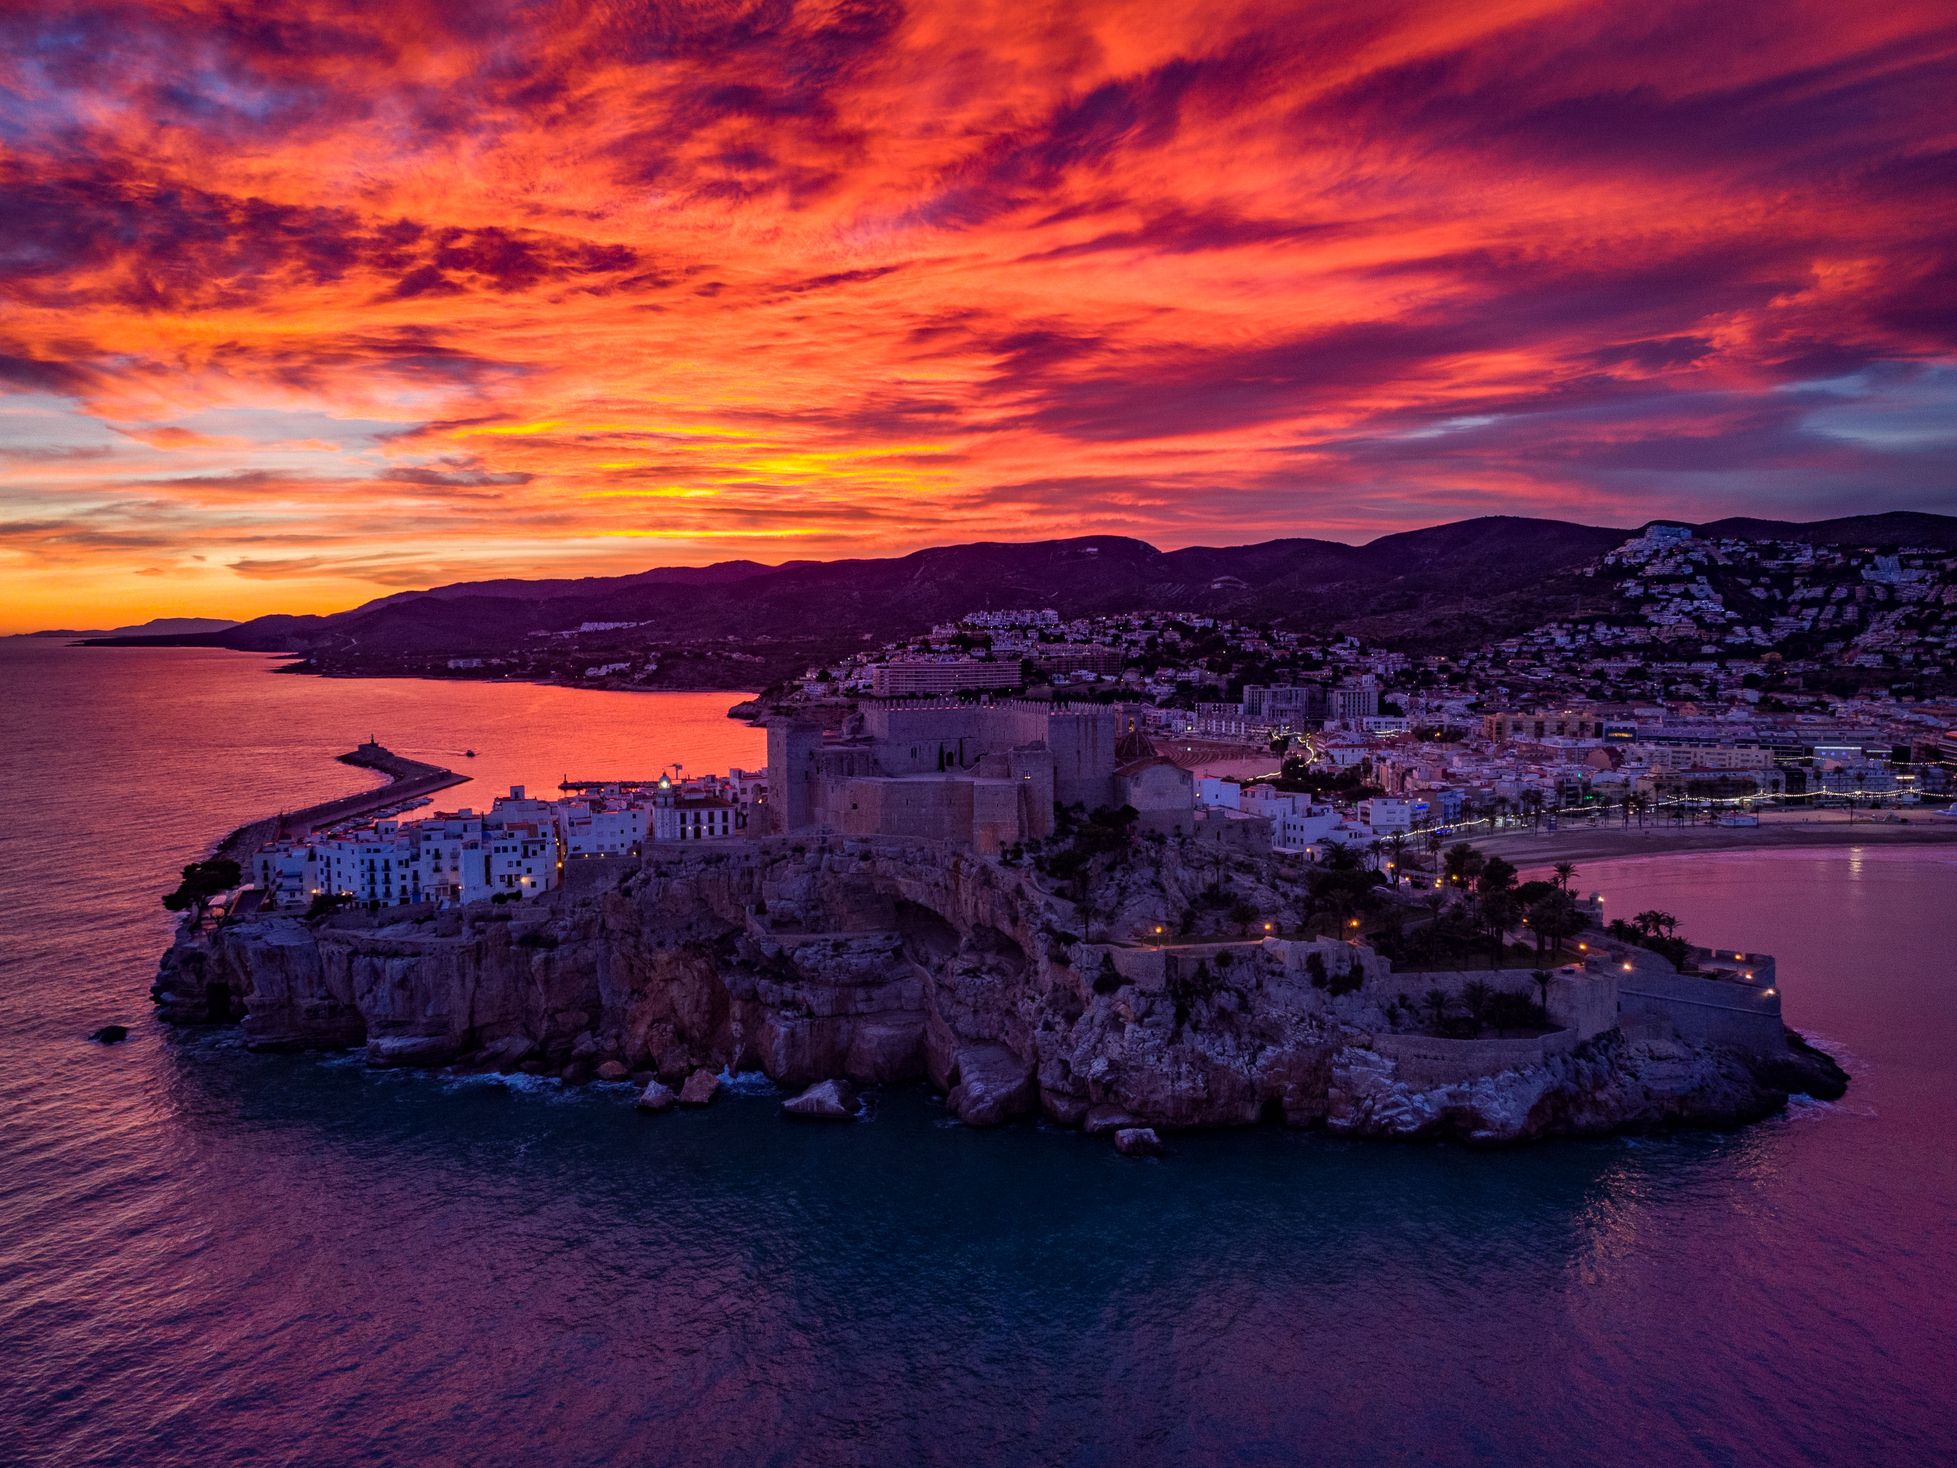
(824, 1101)
(874, 962)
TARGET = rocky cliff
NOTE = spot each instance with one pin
(882, 961)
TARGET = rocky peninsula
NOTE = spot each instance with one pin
(1107, 979)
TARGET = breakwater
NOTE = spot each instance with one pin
(407, 779)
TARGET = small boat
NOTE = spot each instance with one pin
(468, 754)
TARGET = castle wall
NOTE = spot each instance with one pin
(998, 814)
(1709, 1011)
(1425, 1061)
(1162, 794)
(922, 807)
(925, 740)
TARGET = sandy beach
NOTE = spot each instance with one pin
(1776, 829)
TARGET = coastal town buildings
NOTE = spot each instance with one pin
(517, 848)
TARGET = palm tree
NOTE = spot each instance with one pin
(1436, 1006)
(1495, 895)
(1654, 922)
(1462, 862)
(1565, 870)
(1554, 917)
(1542, 976)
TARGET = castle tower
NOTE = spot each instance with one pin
(792, 746)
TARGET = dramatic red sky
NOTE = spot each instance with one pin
(304, 303)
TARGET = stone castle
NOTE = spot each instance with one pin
(983, 775)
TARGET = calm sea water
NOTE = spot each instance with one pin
(208, 1256)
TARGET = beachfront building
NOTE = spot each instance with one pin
(906, 677)
(1387, 817)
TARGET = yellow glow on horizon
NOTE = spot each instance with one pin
(663, 492)
(707, 537)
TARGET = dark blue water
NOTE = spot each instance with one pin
(210, 1256)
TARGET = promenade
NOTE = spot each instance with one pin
(1777, 829)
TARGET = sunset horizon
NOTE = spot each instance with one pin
(309, 309)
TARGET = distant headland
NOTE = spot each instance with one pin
(1448, 589)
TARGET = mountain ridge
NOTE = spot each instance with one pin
(1440, 585)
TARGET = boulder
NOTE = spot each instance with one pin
(824, 1101)
(613, 1070)
(657, 1097)
(1138, 1141)
(110, 1035)
(576, 1073)
(994, 1085)
(1067, 1109)
(508, 1052)
(674, 1063)
(1101, 1120)
(388, 1051)
(699, 1088)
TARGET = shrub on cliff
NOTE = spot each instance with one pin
(1108, 978)
(1188, 987)
(203, 880)
(1348, 982)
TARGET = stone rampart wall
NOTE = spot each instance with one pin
(1709, 1011)
(1432, 1060)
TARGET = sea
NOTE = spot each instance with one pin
(209, 1256)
